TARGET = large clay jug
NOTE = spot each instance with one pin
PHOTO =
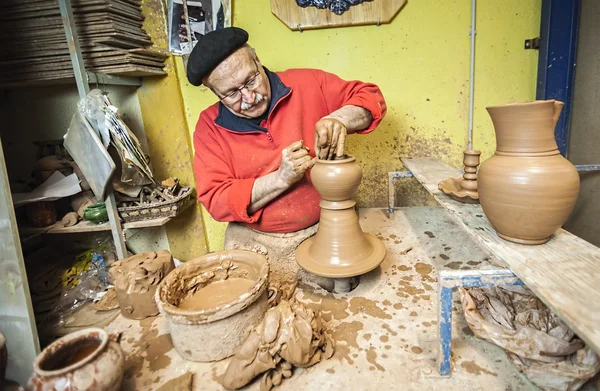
(85, 360)
(527, 189)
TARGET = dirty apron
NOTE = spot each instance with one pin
(280, 250)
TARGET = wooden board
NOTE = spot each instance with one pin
(86, 226)
(564, 273)
(369, 12)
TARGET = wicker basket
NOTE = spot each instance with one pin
(158, 210)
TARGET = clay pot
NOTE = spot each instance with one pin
(527, 189)
(41, 214)
(216, 333)
(336, 180)
(3, 358)
(339, 249)
(88, 359)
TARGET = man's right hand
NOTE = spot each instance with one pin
(295, 161)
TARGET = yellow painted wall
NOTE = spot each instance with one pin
(169, 139)
(421, 63)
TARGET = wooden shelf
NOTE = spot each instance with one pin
(563, 273)
(86, 226)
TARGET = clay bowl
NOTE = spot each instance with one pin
(336, 180)
(86, 360)
(216, 333)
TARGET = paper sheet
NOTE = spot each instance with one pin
(54, 188)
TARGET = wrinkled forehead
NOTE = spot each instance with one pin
(234, 71)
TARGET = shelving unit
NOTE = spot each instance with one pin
(86, 226)
(17, 318)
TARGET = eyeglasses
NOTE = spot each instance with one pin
(250, 85)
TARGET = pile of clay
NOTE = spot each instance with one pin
(136, 279)
(290, 335)
(210, 302)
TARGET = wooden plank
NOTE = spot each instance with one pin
(369, 12)
(564, 273)
(86, 226)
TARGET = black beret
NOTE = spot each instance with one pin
(211, 49)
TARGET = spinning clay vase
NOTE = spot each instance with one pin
(527, 189)
(340, 249)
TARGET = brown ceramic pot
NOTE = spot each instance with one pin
(86, 360)
(340, 249)
(336, 180)
(216, 333)
(527, 189)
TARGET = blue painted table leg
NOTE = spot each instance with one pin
(445, 329)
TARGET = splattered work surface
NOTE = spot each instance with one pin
(385, 330)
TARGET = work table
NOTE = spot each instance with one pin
(385, 330)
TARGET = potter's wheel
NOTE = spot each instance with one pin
(328, 267)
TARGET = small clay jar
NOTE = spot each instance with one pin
(3, 358)
(86, 360)
(336, 180)
(527, 189)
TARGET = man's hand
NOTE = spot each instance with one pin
(330, 137)
(295, 161)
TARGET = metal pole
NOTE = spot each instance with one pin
(76, 58)
(472, 32)
(83, 88)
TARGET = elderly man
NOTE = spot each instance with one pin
(254, 148)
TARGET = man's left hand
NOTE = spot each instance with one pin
(330, 137)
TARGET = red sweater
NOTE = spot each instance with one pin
(231, 153)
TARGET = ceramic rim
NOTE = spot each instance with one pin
(306, 262)
(224, 310)
(67, 341)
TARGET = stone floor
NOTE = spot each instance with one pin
(385, 330)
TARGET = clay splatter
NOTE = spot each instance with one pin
(372, 359)
(424, 270)
(454, 265)
(473, 263)
(398, 306)
(413, 314)
(389, 329)
(444, 257)
(369, 307)
(404, 268)
(475, 369)
(330, 370)
(367, 336)
(426, 324)
(467, 330)
(430, 234)
(416, 349)
(346, 332)
(328, 305)
(157, 350)
(384, 338)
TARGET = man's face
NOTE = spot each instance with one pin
(241, 69)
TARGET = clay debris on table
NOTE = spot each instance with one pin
(136, 279)
(289, 335)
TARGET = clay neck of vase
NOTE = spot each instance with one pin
(526, 128)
